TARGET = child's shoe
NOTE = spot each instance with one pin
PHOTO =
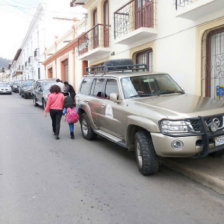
(72, 135)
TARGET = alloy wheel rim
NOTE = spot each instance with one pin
(139, 155)
(84, 127)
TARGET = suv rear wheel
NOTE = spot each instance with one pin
(147, 160)
(87, 131)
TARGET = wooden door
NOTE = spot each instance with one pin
(50, 73)
(143, 13)
(106, 23)
(95, 30)
(64, 70)
(145, 57)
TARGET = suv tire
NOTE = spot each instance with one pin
(87, 131)
(147, 160)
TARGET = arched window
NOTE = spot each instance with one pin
(214, 86)
(145, 57)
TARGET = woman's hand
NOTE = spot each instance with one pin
(45, 114)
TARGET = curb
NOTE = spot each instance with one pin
(209, 181)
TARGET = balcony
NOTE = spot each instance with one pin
(196, 9)
(94, 44)
(134, 22)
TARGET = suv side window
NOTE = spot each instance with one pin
(86, 85)
(99, 87)
(111, 87)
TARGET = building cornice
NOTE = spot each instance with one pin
(61, 52)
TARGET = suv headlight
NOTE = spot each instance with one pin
(173, 127)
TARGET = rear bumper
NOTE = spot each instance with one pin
(5, 92)
(28, 94)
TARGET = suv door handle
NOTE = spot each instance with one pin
(103, 105)
(86, 101)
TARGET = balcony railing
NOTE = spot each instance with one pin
(77, 2)
(133, 15)
(96, 37)
(197, 9)
(182, 3)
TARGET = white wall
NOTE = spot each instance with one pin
(175, 42)
(78, 74)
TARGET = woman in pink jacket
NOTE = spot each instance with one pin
(55, 104)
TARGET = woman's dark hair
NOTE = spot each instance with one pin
(55, 89)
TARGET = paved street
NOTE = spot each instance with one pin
(48, 181)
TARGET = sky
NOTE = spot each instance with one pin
(15, 17)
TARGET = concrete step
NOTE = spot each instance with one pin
(207, 171)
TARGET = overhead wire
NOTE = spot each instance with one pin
(20, 7)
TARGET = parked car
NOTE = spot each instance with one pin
(15, 86)
(5, 88)
(41, 91)
(148, 113)
(26, 89)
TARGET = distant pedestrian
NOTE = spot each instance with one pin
(55, 104)
(71, 115)
(60, 84)
(69, 88)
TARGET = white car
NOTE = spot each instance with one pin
(5, 88)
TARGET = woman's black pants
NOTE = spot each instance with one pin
(56, 120)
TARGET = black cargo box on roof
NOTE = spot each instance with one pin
(119, 65)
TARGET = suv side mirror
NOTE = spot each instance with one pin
(114, 97)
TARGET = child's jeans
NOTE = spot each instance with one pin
(71, 127)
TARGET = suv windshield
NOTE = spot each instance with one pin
(149, 85)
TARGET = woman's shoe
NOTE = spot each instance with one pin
(57, 137)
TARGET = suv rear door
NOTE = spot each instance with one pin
(96, 101)
(111, 117)
(38, 92)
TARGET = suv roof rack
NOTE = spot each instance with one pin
(121, 65)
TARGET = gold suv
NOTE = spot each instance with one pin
(148, 113)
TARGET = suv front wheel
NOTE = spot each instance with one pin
(87, 131)
(147, 160)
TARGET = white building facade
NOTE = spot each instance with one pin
(61, 57)
(43, 30)
(184, 38)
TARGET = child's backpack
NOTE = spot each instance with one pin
(71, 115)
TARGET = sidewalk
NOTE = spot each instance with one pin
(208, 171)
